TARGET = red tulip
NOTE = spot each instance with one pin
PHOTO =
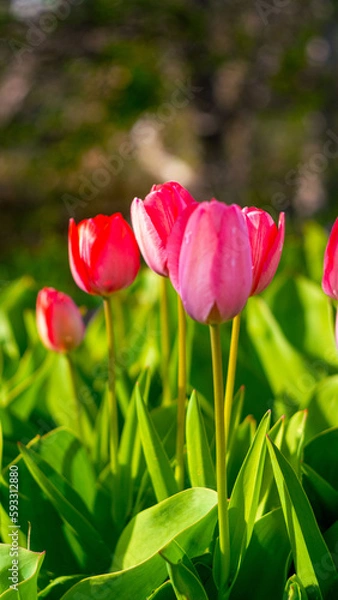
(59, 320)
(209, 258)
(153, 220)
(267, 243)
(330, 275)
(103, 254)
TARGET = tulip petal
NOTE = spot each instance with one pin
(150, 242)
(77, 266)
(174, 244)
(273, 257)
(231, 276)
(266, 243)
(198, 248)
(330, 274)
(114, 255)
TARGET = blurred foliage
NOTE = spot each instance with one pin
(100, 99)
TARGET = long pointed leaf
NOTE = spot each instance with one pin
(200, 464)
(308, 546)
(68, 504)
(159, 468)
(244, 499)
(155, 527)
(182, 573)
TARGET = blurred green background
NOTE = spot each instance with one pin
(99, 99)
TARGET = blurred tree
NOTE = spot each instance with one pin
(101, 98)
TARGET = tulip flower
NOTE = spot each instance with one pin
(104, 258)
(153, 220)
(267, 243)
(103, 254)
(330, 275)
(209, 258)
(59, 321)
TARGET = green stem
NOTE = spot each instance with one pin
(230, 383)
(76, 400)
(112, 404)
(221, 474)
(182, 387)
(165, 342)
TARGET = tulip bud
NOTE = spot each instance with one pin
(209, 258)
(266, 243)
(59, 320)
(103, 254)
(153, 220)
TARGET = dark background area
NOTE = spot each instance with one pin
(99, 99)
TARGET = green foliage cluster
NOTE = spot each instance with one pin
(86, 534)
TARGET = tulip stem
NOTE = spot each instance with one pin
(112, 404)
(230, 383)
(221, 471)
(182, 387)
(76, 400)
(165, 337)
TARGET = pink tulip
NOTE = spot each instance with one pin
(103, 254)
(330, 275)
(153, 220)
(209, 258)
(266, 243)
(59, 320)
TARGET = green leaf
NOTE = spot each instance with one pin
(1, 449)
(159, 467)
(323, 407)
(135, 583)
(182, 573)
(60, 398)
(269, 494)
(244, 499)
(62, 450)
(274, 349)
(185, 583)
(323, 497)
(269, 546)
(69, 505)
(200, 463)
(24, 564)
(162, 523)
(294, 439)
(129, 454)
(164, 592)
(241, 442)
(321, 453)
(305, 317)
(59, 586)
(307, 543)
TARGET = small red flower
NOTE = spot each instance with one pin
(59, 320)
(103, 254)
